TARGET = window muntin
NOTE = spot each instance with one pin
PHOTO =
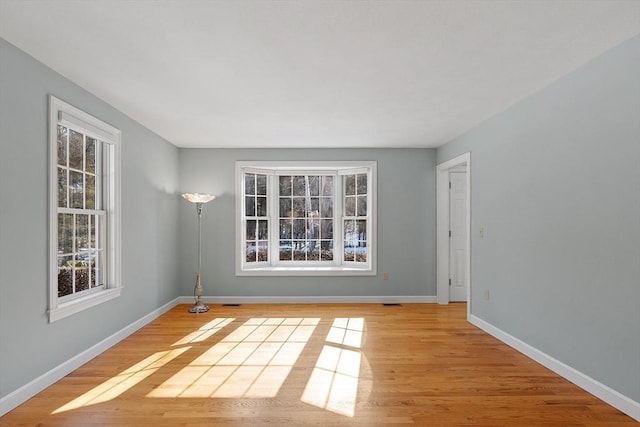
(319, 218)
(256, 219)
(84, 210)
(355, 217)
(306, 217)
(80, 215)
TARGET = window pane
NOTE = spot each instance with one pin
(326, 229)
(82, 232)
(361, 226)
(350, 240)
(250, 184)
(82, 279)
(349, 253)
(326, 250)
(314, 185)
(65, 233)
(362, 183)
(298, 228)
(76, 192)
(62, 145)
(362, 205)
(285, 207)
(326, 207)
(92, 230)
(251, 229)
(76, 150)
(262, 251)
(298, 207)
(285, 250)
(261, 187)
(361, 253)
(261, 209)
(315, 207)
(299, 186)
(350, 185)
(90, 155)
(313, 251)
(285, 185)
(62, 188)
(285, 229)
(92, 270)
(327, 186)
(313, 229)
(349, 206)
(96, 270)
(361, 249)
(251, 251)
(263, 230)
(299, 251)
(250, 206)
(65, 276)
(90, 192)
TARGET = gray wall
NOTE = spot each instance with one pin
(406, 225)
(556, 184)
(29, 345)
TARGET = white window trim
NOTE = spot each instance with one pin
(274, 168)
(65, 114)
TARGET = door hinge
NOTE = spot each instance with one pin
(449, 282)
(449, 184)
(449, 233)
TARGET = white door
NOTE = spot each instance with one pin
(458, 236)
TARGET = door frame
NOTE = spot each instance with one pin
(442, 228)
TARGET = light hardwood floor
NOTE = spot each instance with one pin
(315, 364)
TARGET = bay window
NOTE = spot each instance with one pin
(305, 218)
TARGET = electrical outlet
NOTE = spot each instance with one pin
(486, 295)
(385, 276)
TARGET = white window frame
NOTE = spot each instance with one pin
(62, 113)
(337, 267)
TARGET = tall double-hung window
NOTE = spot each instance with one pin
(84, 211)
(305, 218)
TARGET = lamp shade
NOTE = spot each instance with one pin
(198, 197)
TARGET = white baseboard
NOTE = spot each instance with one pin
(27, 391)
(601, 391)
(313, 299)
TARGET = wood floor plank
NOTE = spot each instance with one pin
(313, 364)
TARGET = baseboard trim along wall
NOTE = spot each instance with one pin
(599, 390)
(27, 391)
(419, 299)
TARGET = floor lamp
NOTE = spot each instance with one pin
(199, 200)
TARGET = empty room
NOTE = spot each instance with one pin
(319, 212)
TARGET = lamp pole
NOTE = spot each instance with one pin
(199, 200)
(199, 307)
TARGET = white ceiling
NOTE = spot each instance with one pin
(314, 73)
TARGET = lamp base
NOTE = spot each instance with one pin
(198, 308)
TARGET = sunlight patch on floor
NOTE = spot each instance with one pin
(122, 382)
(333, 384)
(204, 331)
(347, 331)
(252, 361)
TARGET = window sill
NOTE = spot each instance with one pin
(77, 305)
(306, 271)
